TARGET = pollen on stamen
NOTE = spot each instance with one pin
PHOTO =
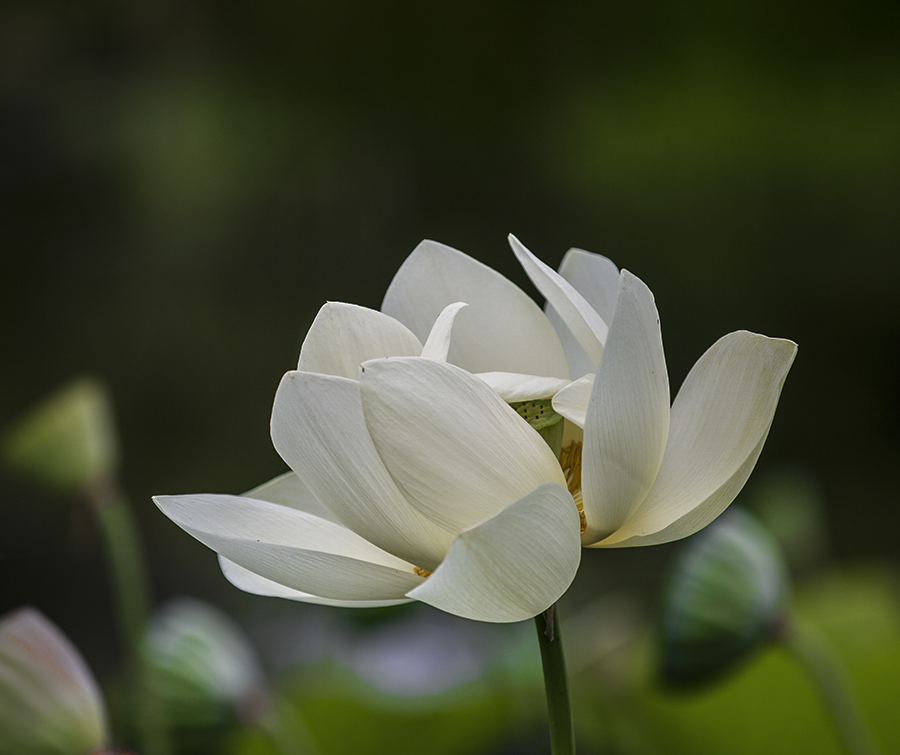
(420, 572)
(570, 461)
(579, 503)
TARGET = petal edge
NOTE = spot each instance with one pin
(512, 566)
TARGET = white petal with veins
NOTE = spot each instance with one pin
(502, 329)
(582, 320)
(720, 420)
(511, 387)
(291, 547)
(512, 566)
(628, 415)
(572, 401)
(596, 278)
(249, 581)
(438, 344)
(319, 429)
(343, 336)
(289, 490)
(457, 451)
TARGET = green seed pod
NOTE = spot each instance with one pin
(725, 595)
(539, 413)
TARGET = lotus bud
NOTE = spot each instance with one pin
(725, 596)
(201, 668)
(68, 440)
(50, 703)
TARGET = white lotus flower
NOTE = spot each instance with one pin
(416, 481)
(49, 700)
(641, 472)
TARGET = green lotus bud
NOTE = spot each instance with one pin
(68, 440)
(725, 595)
(50, 703)
(200, 667)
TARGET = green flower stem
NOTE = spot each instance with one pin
(125, 559)
(556, 683)
(285, 730)
(831, 681)
(128, 577)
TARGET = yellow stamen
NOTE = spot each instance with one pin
(420, 572)
(580, 504)
(570, 461)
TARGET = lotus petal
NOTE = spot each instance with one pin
(502, 329)
(457, 451)
(319, 429)
(292, 548)
(343, 336)
(628, 416)
(512, 566)
(720, 420)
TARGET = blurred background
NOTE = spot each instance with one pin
(182, 185)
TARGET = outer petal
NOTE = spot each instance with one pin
(319, 430)
(596, 278)
(438, 344)
(511, 387)
(628, 416)
(720, 421)
(343, 336)
(501, 330)
(573, 400)
(512, 566)
(582, 320)
(289, 490)
(593, 276)
(291, 547)
(457, 451)
(249, 581)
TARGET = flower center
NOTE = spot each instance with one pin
(420, 572)
(539, 413)
(570, 461)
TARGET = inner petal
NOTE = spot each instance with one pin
(456, 450)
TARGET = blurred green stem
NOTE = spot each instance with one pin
(286, 731)
(125, 560)
(128, 577)
(825, 670)
(556, 683)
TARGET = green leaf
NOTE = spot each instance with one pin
(455, 730)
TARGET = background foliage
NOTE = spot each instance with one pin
(182, 185)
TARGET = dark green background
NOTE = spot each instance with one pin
(183, 184)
